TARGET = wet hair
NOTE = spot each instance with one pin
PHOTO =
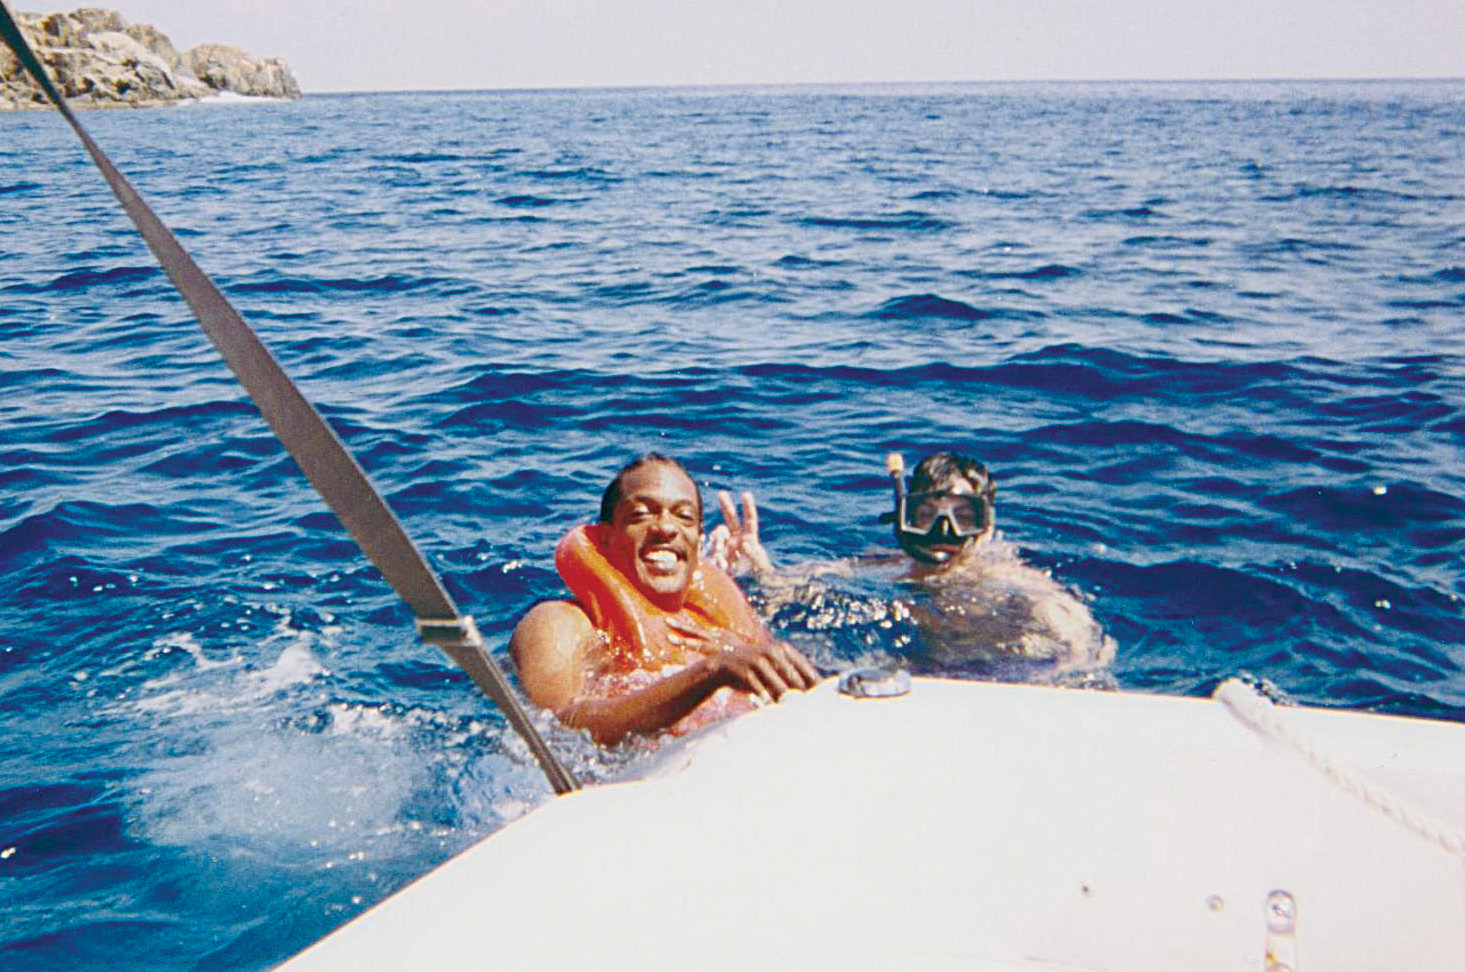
(942, 470)
(612, 494)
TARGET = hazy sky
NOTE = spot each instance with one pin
(360, 45)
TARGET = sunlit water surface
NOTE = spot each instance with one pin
(1207, 336)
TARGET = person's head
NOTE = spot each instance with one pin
(653, 513)
(946, 509)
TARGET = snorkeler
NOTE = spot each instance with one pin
(976, 607)
(656, 637)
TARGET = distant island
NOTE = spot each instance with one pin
(99, 60)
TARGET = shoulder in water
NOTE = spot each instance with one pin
(978, 608)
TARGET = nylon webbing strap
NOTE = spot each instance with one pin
(332, 470)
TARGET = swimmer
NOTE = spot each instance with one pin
(656, 638)
(977, 607)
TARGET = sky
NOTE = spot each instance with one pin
(390, 45)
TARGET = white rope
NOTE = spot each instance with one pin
(1261, 716)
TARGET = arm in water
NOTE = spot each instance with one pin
(553, 645)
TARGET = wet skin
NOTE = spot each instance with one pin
(654, 539)
(657, 530)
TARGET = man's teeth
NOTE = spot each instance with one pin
(661, 558)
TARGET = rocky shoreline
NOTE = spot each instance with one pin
(99, 60)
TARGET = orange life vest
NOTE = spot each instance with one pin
(636, 630)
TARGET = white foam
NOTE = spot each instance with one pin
(229, 98)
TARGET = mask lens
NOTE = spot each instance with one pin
(968, 517)
(966, 512)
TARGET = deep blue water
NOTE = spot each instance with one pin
(1207, 335)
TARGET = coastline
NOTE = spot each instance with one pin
(98, 59)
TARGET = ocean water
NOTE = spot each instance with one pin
(1208, 336)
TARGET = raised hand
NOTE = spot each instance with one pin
(734, 545)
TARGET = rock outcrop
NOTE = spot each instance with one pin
(98, 59)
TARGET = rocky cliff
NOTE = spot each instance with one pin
(98, 59)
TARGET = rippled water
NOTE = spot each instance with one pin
(1208, 336)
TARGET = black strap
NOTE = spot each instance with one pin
(333, 471)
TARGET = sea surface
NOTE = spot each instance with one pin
(1208, 337)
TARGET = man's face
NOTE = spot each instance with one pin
(656, 530)
(944, 547)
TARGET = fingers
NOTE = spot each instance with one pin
(796, 670)
(717, 546)
(729, 511)
(750, 515)
(808, 675)
(746, 524)
(770, 670)
(689, 636)
(734, 543)
(762, 682)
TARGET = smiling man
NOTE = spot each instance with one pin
(655, 638)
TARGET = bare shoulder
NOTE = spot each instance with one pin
(548, 646)
(554, 616)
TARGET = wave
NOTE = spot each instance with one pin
(169, 417)
(508, 411)
(1160, 382)
(1298, 245)
(526, 201)
(585, 173)
(1168, 242)
(1356, 509)
(390, 283)
(917, 306)
(420, 158)
(1345, 192)
(1427, 304)
(913, 222)
(87, 279)
(1048, 271)
(802, 262)
(90, 522)
(1300, 614)
(1191, 315)
(1132, 212)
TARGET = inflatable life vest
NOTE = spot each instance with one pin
(635, 628)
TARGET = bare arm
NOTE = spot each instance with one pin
(551, 646)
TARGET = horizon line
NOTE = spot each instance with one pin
(714, 85)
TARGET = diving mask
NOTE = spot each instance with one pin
(956, 515)
(930, 524)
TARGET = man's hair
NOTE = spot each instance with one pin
(612, 494)
(942, 470)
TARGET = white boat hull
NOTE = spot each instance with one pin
(970, 825)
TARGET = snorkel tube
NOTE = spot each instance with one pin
(895, 463)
